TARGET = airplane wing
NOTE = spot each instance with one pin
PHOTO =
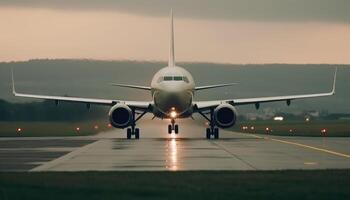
(205, 105)
(138, 105)
(214, 86)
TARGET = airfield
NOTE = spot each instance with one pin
(187, 151)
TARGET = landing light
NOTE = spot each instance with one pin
(173, 114)
(77, 129)
(19, 130)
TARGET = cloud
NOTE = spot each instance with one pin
(336, 11)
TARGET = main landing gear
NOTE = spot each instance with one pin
(212, 131)
(173, 127)
(133, 131)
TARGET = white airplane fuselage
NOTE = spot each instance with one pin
(172, 90)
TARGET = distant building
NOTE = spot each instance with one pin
(278, 118)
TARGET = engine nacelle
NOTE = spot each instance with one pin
(120, 116)
(225, 115)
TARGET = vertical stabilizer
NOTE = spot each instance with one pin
(171, 51)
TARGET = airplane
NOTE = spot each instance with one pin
(172, 90)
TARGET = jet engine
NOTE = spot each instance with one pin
(225, 115)
(120, 116)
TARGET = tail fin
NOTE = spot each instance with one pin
(171, 51)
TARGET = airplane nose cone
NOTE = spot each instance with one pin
(166, 100)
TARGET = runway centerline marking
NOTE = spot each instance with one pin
(305, 146)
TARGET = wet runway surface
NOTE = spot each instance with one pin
(21, 154)
(156, 150)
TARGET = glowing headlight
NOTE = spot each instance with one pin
(173, 114)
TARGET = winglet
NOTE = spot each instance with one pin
(13, 82)
(171, 47)
(334, 80)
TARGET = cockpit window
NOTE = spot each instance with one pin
(177, 78)
(186, 79)
(168, 78)
(160, 79)
(173, 78)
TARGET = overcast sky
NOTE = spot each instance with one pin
(228, 31)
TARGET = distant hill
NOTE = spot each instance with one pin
(48, 111)
(90, 78)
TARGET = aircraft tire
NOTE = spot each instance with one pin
(128, 133)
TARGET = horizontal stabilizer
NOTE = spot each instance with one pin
(214, 86)
(132, 86)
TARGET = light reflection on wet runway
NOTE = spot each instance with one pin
(172, 153)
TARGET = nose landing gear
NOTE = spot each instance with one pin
(173, 127)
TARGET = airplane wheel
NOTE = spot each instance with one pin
(176, 129)
(208, 133)
(128, 133)
(137, 133)
(169, 129)
(216, 133)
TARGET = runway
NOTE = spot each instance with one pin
(156, 150)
